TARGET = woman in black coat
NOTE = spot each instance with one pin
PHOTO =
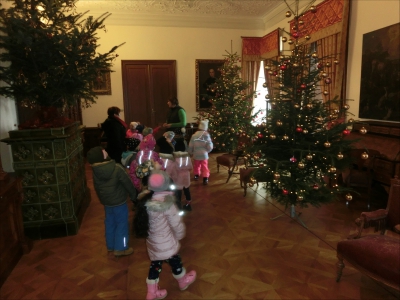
(114, 130)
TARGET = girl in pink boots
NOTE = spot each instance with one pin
(158, 220)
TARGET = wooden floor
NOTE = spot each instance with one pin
(238, 251)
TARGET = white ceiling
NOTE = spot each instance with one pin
(246, 14)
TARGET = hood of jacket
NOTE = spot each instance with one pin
(161, 201)
(104, 170)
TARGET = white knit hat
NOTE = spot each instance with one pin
(203, 125)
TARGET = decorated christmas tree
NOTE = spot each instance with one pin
(231, 112)
(49, 53)
(301, 148)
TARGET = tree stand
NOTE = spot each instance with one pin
(293, 215)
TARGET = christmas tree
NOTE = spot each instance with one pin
(49, 53)
(301, 148)
(231, 112)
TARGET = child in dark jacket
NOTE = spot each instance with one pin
(112, 185)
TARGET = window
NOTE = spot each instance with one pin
(260, 103)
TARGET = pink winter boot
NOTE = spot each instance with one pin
(153, 291)
(185, 279)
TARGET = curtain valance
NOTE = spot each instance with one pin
(259, 48)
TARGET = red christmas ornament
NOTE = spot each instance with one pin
(283, 67)
(328, 80)
(295, 34)
(299, 129)
(298, 91)
(293, 159)
(315, 187)
(275, 73)
(346, 132)
(319, 66)
(260, 136)
(303, 86)
(285, 192)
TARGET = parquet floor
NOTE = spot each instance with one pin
(232, 243)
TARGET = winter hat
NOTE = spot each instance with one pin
(134, 124)
(158, 181)
(95, 155)
(203, 125)
(147, 130)
(140, 128)
(169, 135)
(132, 143)
(148, 142)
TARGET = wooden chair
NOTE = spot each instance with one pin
(378, 256)
(360, 175)
(233, 160)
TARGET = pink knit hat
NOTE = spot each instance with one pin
(148, 143)
(158, 181)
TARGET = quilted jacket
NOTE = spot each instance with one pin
(166, 227)
(112, 183)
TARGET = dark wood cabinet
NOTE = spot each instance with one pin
(13, 243)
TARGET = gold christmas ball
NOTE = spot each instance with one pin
(328, 64)
(364, 155)
(307, 37)
(267, 96)
(265, 85)
(272, 136)
(223, 145)
(288, 14)
(309, 157)
(351, 120)
(301, 165)
(305, 131)
(309, 105)
(326, 93)
(332, 169)
(363, 130)
(314, 55)
(340, 155)
(313, 9)
(277, 175)
(295, 65)
(285, 137)
(327, 144)
(290, 42)
(296, 105)
(301, 22)
(284, 39)
(336, 61)
(346, 106)
(267, 67)
(278, 123)
(324, 74)
(349, 197)
(300, 198)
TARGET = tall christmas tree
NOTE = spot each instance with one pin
(232, 112)
(49, 53)
(301, 148)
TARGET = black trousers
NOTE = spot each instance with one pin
(156, 266)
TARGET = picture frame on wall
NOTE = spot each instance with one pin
(102, 84)
(380, 75)
(207, 72)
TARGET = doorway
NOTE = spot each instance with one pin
(147, 84)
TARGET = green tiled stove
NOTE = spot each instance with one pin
(51, 165)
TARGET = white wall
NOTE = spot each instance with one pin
(184, 45)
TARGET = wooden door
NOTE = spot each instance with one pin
(147, 84)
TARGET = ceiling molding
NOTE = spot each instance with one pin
(156, 20)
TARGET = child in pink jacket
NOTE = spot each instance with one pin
(157, 220)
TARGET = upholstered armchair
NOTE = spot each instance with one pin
(376, 255)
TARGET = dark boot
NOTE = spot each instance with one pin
(205, 180)
(187, 206)
(196, 177)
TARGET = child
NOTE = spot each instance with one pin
(145, 159)
(163, 229)
(132, 132)
(166, 143)
(129, 155)
(199, 146)
(112, 185)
